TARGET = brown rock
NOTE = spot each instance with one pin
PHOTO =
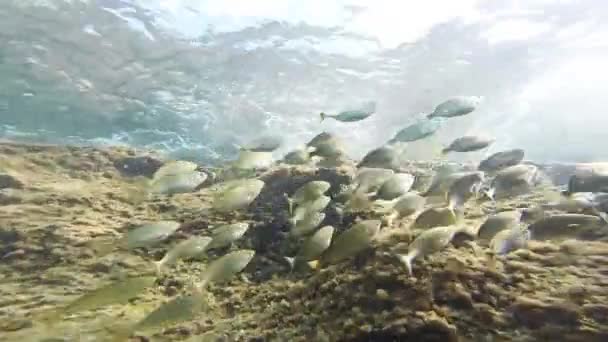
(535, 313)
(8, 181)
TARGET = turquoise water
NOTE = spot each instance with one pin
(195, 77)
(97, 98)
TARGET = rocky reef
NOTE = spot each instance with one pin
(54, 199)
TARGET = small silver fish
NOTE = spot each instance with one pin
(174, 167)
(563, 226)
(297, 157)
(186, 249)
(370, 179)
(253, 160)
(417, 131)
(501, 160)
(353, 115)
(225, 235)
(442, 181)
(145, 235)
(316, 205)
(513, 180)
(237, 195)
(183, 182)
(267, 143)
(464, 188)
(428, 242)
(456, 106)
(307, 192)
(330, 149)
(307, 224)
(468, 144)
(496, 223)
(321, 138)
(436, 217)
(118, 292)
(385, 157)
(593, 182)
(180, 309)
(224, 268)
(313, 247)
(397, 185)
(150, 234)
(509, 240)
(352, 241)
(409, 204)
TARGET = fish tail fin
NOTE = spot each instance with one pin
(491, 193)
(291, 261)
(445, 151)
(102, 246)
(289, 203)
(406, 260)
(603, 216)
(323, 116)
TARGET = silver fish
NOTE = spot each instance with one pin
(442, 181)
(513, 180)
(237, 195)
(321, 138)
(464, 188)
(593, 182)
(297, 157)
(409, 204)
(180, 309)
(501, 160)
(370, 179)
(468, 144)
(253, 160)
(352, 241)
(353, 115)
(436, 217)
(307, 224)
(417, 131)
(384, 157)
(118, 292)
(563, 226)
(186, 249)
(317, 205)
(496, 223)
(225, 235)
(313, 247)
(263, 144)
(397, 185)
(307, 192)
(331, 149)
(150, 234)
(174, 167)
(184, 182)
(428, 242)
(456, 106)
(224, 268)
(509, 240)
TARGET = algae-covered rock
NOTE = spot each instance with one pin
(10, 182)
(551, 291)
